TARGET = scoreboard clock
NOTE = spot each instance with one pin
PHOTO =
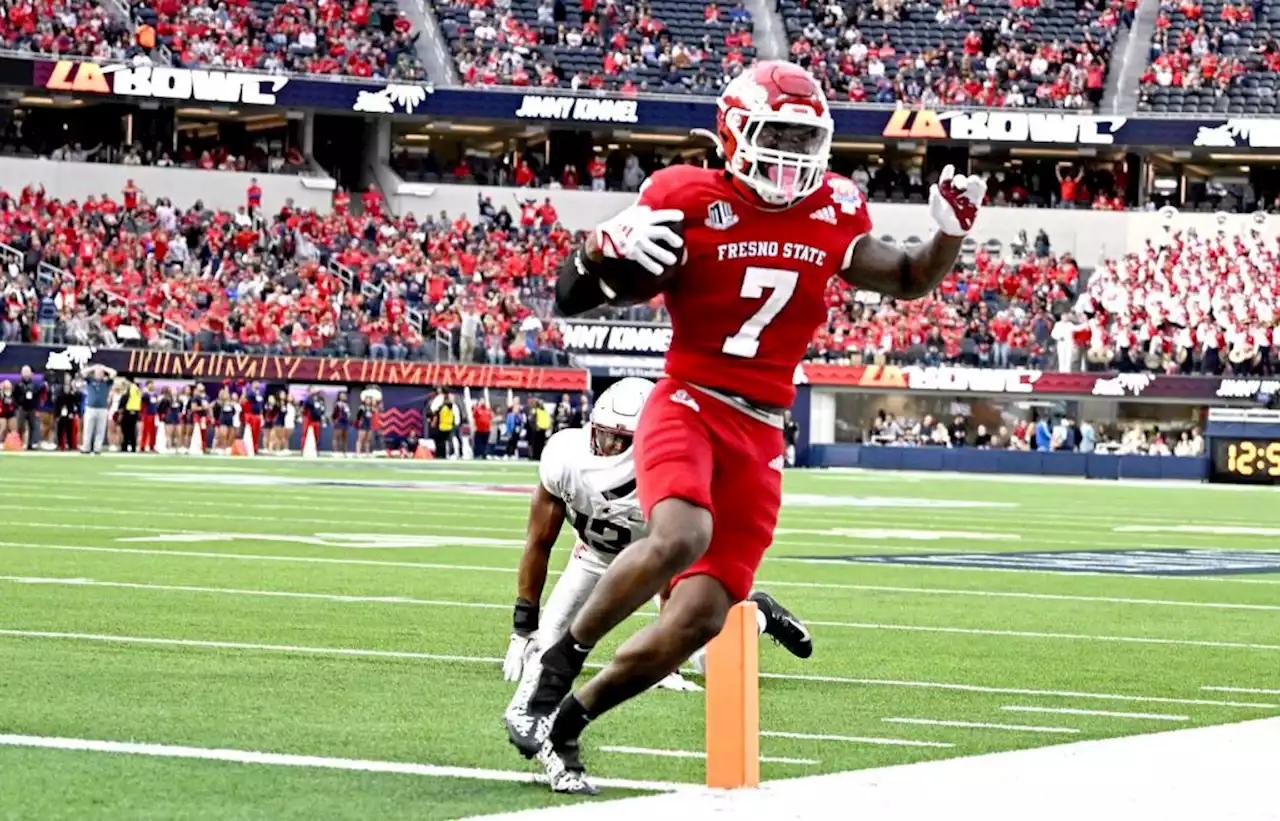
(1244, 446)
(1245, 460)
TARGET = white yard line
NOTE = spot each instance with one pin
(764, 759)
(1074, 711)
(312, 761)
(343, 598)
(346, 651)
(853, 739)
(1016, 691)
(240, 645)
(1251, 690)
(1128, 577)
(980, 725)
(259, 557)
(231, 591)
(1009, 594)
(765, 583)
(1035, 634)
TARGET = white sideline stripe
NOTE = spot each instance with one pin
(1253, 690)
(1034, 634)
(980, 725)
(1011, 594)
(283, 594)
(854, 739)
(1224, 773)
(320, 762)
(764, 759)
(1073, 711)
(340, 651)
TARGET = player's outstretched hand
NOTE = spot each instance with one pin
(635, 235)
(519, 651)
(954, 201)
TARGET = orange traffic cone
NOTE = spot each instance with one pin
(239, 448)
(13, 441)
(423, 452)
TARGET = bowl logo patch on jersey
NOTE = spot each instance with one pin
(682, 397)
(846, 194)
(720, 216)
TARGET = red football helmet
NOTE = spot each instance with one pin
(774, 129)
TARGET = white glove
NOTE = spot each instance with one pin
(519, 651)
(954, 201)
(635, 233)
(678, 683)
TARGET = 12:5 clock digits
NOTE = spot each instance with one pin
(1247, 458)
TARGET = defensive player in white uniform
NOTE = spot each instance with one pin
(587, 477)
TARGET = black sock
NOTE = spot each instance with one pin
(572, 719)
(561, 664)
(566, 656)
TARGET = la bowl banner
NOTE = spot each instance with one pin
(273, 368)
(181, 85)
(664, 111)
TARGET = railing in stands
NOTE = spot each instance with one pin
(175, 334)
(47, 275)
(443, 343)
(11, 257)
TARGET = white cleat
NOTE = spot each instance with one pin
(564, 769)
(679, 684)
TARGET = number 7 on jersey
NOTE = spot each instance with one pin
(755, 280)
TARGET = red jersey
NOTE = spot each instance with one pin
(750, 295)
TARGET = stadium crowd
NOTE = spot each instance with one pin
(997, 53)
(1197, 304)
(128, 269)
(1213, 56)
(325, 37)
(1045, 432)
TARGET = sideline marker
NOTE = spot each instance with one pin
(733, 701)
(309, 450)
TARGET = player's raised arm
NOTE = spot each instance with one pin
(910, 274)
(546, 515)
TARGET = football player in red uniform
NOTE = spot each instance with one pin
(761, 239)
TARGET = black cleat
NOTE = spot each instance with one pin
(529, 716)
(563, 764)
(783, 627)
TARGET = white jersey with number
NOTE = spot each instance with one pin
(599, 493)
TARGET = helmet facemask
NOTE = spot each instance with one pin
(610, 441)
(781, 155)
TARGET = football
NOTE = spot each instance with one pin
(632, 283)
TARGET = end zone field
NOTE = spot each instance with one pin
(259, 639)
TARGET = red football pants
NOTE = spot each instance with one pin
(148, 433)
(695, 447)
(253, 422)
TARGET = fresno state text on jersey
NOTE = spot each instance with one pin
(752, 289)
